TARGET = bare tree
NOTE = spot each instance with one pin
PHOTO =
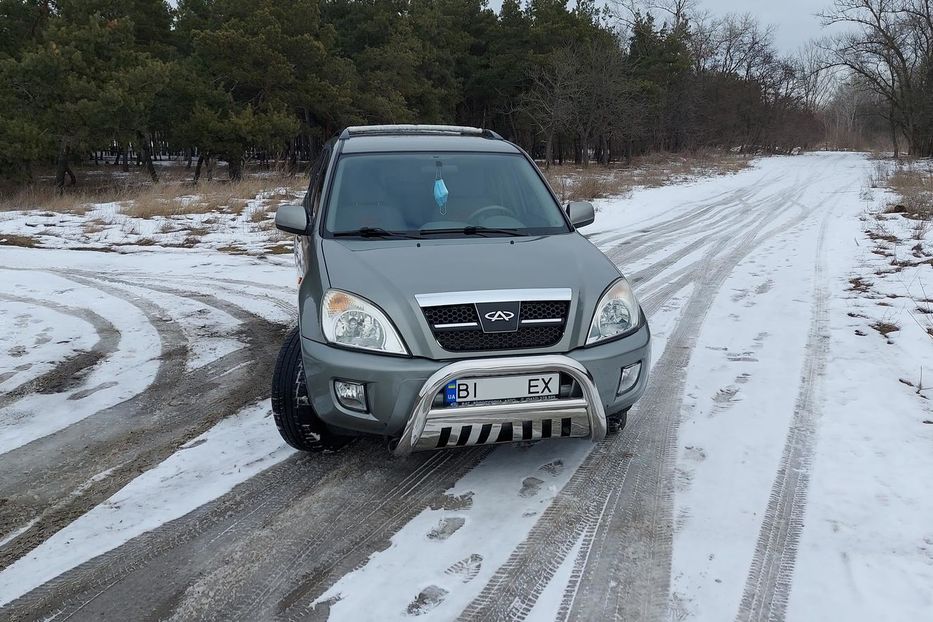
(815, 76)
(599, 96)
(891, 49)
(550, 100)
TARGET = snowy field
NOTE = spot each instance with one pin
(776, 468)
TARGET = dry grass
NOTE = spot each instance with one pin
(915, 186)
(573, 183)
(10, 239)
(93, 227)
(141, 198)
(263, 213)
(859, 284)
(232, 249)
(230, 197)
(885, 328)
(282, 248)
(33, 197)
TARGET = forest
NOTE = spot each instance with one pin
(268, 81)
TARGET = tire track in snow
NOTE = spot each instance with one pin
(768, 584)
(264, 550)
(630, 575)
(639, 233)
(62, 376)
(129, 437)
(594, 494)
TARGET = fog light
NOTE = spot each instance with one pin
(629, 378)
(351, 395)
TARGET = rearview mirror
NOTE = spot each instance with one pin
(292, 219)
(581, 213)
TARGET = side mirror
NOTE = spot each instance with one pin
(292, 219)
(581, 213)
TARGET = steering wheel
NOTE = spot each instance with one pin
(489, 208)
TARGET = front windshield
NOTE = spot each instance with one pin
(422, 194)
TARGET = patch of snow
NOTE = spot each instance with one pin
(120, 376)
(36, 339)
(234, 450)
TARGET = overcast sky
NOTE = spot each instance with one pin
(794, 21)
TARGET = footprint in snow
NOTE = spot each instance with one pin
(43, 338)
(765, 287)
(553, 468)
(742, 357)
(80, 395)
(453, 503)
(530, 487)
(466, 568)
(446, 527)
(743, 378)
(429, 598)
(725, 397)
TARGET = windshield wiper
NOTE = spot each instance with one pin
(473, 230)
(374, 232)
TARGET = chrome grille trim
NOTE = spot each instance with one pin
(493, 295)
(461, 328)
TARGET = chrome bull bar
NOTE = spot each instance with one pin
(426, 426)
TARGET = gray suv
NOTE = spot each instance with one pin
(447, 300)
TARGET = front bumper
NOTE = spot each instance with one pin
(434, 428)
(400, 393)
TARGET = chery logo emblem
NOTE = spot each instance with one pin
(495, 316)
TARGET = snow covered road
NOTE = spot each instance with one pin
(776, 468)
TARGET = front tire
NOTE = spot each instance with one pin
(299, 426)
(615, 423)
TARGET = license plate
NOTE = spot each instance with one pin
(502, 388)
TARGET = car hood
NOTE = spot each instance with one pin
(390, 273)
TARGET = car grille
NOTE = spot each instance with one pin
(457, 327)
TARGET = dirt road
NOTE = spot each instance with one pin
(301, 537)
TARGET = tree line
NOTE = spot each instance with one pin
(240, 80)
(886, 52)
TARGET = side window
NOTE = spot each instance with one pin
(318, 171)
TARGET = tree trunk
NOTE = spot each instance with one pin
(126, 158)
(894, 138)
(293, 157)
(235, 168)
(62, 166)
(188, 158)
(549, 150)
(197, 169)
(146, 147)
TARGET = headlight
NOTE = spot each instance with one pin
(616, 313)
(351, 321)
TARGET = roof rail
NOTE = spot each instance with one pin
(410, 128)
